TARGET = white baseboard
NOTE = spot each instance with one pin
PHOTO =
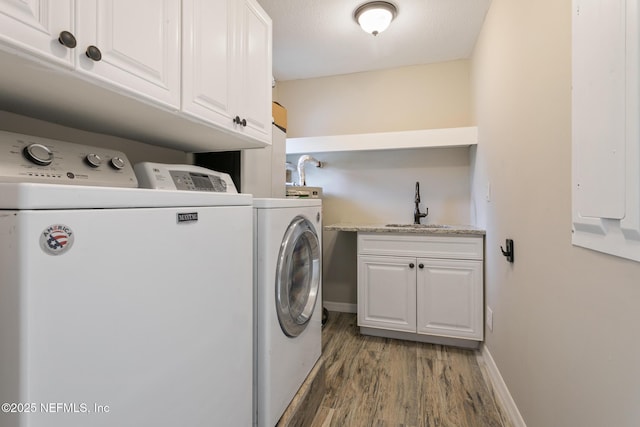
(500, 388)
(412, 336)
(342, 307)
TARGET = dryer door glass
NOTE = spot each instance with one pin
(297, 276)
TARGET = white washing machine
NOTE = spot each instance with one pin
(287, 276)
(122, 307)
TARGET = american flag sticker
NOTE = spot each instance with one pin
(56, 239)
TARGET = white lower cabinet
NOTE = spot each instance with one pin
(415, 286)
(387, 293)
(449, 298)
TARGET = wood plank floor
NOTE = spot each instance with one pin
(379, 382)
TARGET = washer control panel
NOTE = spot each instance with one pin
(25, 158)
(183, 177)
(303, 192)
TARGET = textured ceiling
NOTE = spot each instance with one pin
(314, 38)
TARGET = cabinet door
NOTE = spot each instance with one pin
(255, 70)
(34, 26)
(387, 293)
(208, 60)
(227, 65)
(139, 42)
(450, 298)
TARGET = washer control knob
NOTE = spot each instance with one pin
(38, 154)
(117, 163)
(93, 160)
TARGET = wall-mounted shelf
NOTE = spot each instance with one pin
(450, 137)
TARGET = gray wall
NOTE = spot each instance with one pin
(566, 319)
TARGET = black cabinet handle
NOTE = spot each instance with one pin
(236, 120)
(412, 265)
(67, 39)
(94, 53)
(420, 265)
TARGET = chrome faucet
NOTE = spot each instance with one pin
(417, 214)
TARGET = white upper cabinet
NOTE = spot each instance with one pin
(255, 70)
(208, 45)
(192, 75)
(226, 57)
(135, 45)
(35, 26)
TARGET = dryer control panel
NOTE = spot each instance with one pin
(25, 158)
(183, 177)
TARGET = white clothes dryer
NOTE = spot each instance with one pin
(287, 278)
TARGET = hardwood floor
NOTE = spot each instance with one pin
(379, 382)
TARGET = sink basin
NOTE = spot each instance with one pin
(419, 225)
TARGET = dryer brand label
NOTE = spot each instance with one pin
(187, 217)
(56, 239)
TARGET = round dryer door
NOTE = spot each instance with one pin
(297, 276)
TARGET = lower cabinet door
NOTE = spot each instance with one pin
(387, 293)
(450, 298)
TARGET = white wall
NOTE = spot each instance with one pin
(378, 186)
(408, 98)
(566, 319)
(135, 151)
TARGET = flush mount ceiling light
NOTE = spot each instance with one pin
(374, 17)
